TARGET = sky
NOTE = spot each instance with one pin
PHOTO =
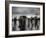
(25, 10)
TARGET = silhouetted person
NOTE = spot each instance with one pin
(32, 23)
(38, 23)
(22, 23)
(35, 21)
(14, 28)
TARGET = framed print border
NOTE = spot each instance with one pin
(7, 18)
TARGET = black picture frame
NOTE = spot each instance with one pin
(7, 18)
